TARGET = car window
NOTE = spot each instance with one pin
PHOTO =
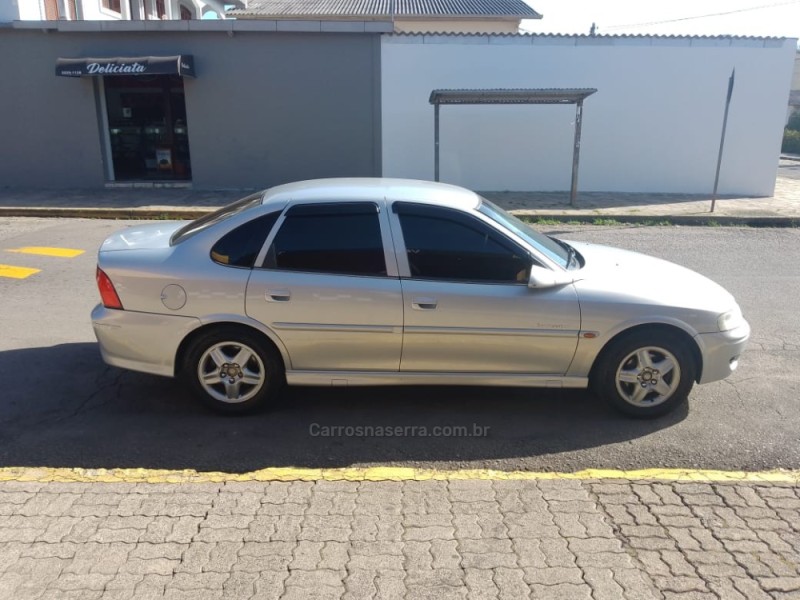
(547, 245)
(240, 246)
(226, 212)
(341, 238)
(447, 244)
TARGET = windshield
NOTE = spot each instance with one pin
(215, 217)
(556, 251)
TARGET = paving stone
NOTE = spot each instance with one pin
(481, 585)
(433, 539)
(562, 591)
(270, 585)
(602, 583)
(556, 552)
(445, 554)
(553, 575)
(680, 584)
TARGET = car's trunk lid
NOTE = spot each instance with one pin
(152, 236)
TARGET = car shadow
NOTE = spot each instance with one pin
(73, 411)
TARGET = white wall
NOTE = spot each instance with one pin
(14, 10)
(653, 126)
(93, 11)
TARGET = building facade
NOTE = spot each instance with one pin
(222, 109)
(243, 104)
(112, 10)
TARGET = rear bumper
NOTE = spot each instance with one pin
(140, 341)
(721, 352)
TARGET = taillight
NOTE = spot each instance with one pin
(107, 292)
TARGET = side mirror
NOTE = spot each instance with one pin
(542, 278)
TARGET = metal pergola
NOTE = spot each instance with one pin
(516, 96)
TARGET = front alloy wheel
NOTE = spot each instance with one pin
(645, 373)
(648, 376)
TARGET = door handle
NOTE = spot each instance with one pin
(423, 303)
(278, 295)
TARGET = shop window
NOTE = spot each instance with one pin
(113, 5)
(148, 129)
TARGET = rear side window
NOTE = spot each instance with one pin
(240, 247)
(341, 238)
(226, 212)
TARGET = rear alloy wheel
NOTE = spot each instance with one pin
(233, 371)
(645, 374)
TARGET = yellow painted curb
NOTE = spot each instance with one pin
(48, 251)
(78, 475)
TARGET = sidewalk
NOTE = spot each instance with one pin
(119, 203)
(612, 539)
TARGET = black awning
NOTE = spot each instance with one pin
(138, 65)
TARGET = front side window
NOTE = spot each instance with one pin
(341, 238)
(554, 250)
(240, 247)
(446, 244)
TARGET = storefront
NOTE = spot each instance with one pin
(143, 114)
(225, 105)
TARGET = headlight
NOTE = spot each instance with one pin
(730, 320)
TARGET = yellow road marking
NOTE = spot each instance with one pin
(47, 251)
(16, 272)
(47, 474)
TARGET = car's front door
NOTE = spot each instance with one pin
(467, 304)
(328, 287)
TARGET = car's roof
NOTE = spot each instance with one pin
(373, 188)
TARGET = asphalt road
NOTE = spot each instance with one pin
(789, 168)
(61, 407)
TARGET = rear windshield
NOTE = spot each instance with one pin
(226, 212)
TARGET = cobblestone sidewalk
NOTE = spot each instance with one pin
(436, 539)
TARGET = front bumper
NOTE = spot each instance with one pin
(721, 352)
(140, 341)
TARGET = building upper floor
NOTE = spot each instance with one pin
(110, 10)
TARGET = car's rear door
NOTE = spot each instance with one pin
(468, 307)
(329, 288)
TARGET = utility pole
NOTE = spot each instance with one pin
(722, 138)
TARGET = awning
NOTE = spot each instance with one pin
(182, 64)
(512, 96)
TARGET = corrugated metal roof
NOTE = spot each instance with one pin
(511, 96)
(533, 34)
(318, 9)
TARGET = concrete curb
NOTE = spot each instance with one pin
(177, 213)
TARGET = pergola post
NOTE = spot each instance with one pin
(436, 142)
(576, 154)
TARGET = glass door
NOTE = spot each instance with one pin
(147, 128)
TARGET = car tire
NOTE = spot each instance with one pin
(233, 371)
(645, 374)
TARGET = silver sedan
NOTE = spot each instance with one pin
(384, 281)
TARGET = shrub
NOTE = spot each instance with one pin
(794, 121)
(791, 141)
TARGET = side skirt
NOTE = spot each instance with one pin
(359, 378)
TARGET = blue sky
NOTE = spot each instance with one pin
(690, 17)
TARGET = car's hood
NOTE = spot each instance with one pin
(154, 235)
(624, 276)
